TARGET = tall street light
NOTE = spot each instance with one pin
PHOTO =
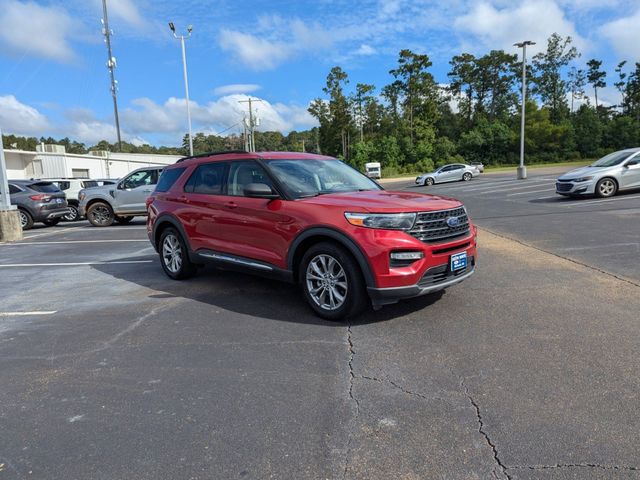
(186, 80)
(522, 170)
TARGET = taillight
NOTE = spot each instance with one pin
(40, 198)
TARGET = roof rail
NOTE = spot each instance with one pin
(211, 154)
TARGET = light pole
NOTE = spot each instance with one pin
(522, 170)
(186, 80)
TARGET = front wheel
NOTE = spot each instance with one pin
(607, 187)
(467, 176)
(332, 282)
(428, 182)
(174, 256)
(100, 214)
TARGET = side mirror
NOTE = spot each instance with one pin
(630, 163)
(259, 190)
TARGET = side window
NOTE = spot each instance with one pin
(13, 189)
(243, 173)
(207, 179)
(446, 169)
(168, 178)
(138, 179)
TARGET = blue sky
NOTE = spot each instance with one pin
(54, 81)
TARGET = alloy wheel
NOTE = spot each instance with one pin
(172, 253)
(23, 219)
(72, 216)
(326, 282)
(101, 214)
(607, 188)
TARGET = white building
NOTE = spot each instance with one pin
(52, 161)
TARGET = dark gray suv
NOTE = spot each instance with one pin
(38, 201)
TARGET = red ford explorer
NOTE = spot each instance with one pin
(312, 220)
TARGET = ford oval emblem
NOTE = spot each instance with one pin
(453, 221)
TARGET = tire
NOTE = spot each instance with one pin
(100, 214)
(606, 187)
(51, 223)
(428, 182)
(467, 176)
(327, 272)
(73, 215)
(123, 220)
(174, 256)
(26, 220)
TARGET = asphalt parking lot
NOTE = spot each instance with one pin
(528, 370)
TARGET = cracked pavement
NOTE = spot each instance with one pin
(528, 370)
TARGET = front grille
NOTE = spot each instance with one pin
(442, 273)
(433, 226)
(563, 187)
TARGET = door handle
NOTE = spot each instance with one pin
(147, 191)
(231, 205)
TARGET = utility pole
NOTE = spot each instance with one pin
(111, 65)
(253, 122)
(522, 170)
(186, 80)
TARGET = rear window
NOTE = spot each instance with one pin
(44, 187)
(207, 179)
(13, 189)
(168, 178)
(89, 184)
(64, 185)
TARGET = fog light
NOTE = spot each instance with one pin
(406, 255)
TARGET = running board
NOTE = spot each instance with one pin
(235, 260)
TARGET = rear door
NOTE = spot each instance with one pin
(444, 174)
(134, 189)
(630, 176)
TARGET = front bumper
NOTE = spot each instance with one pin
(430, 283)
(571, 188)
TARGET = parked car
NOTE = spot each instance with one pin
(310, 220)
(453, 172)
(479, 166)
(71, 187)
(38, 201)
(615, 172)
(119, 202)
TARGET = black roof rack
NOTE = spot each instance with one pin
(211, 154)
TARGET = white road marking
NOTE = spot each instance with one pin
(604, 200)
(73, 241)
(521, 187)
(25, 314)
(72, 264)
(53, 232)
(527, 193)
(497, 186)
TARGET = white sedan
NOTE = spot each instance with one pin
(453, 172)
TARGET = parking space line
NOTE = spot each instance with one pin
(73, 264)
(27, 314)
(497, 186)
(527, 193)
(522, 187)
(75, 241)
(604, 200)
(53, 232)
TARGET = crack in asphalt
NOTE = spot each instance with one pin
(403, 389)
(352, 377)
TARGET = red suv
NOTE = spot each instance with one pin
(311, 220)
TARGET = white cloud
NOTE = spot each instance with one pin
(125, 10)
(365, 50)
(256, 53)
(20, 119)
(38, 30)
(486, 26)
(624, 35)
(236, 88)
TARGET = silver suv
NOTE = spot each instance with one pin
(122, 201)
(604, 178)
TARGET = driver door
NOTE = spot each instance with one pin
(134, 189)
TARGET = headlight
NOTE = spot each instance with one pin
(582, 179)
(387, 221)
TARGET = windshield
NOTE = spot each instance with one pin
(308, 178)
(612, 159)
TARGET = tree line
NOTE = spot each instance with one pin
(415, 123)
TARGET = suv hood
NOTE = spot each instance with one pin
(384, 201)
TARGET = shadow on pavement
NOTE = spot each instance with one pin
(248, 294)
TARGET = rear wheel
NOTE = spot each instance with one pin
(73, 214)
(332, 282)
(467, 176)
(51, 222)
(100, 214)
(606, 187)
(26, 220)
(174, 256)
(428, 182)
(123, 220)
